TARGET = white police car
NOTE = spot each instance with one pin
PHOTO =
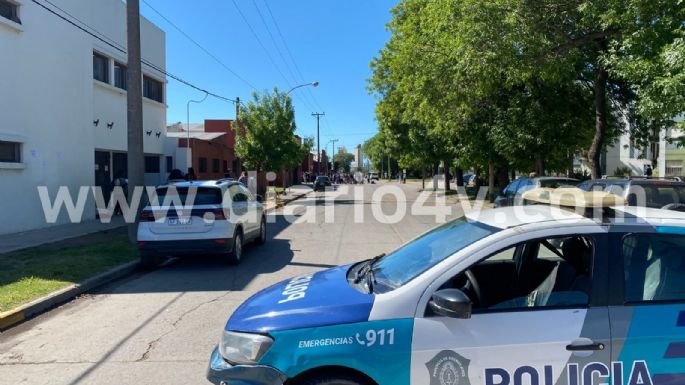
(200, 217)
(527, 295)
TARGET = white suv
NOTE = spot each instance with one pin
(216, 217)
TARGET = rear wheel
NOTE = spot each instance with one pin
(236, 253)
(262, 232)
(150, 261)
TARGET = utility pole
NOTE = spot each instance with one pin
(134, 104)
(333, 153)
(318, 144)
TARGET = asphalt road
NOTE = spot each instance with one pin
(160, 327)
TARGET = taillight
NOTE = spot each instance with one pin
(219, 214)
(147, 216)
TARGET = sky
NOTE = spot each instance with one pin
(331, 41)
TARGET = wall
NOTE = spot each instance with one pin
(49, 101)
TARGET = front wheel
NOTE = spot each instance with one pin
(338, 380)
(236, 254)
(262, 232)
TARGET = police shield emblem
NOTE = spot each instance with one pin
(448, 368)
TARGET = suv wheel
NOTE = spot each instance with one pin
(262, 232)
(150, 261)
(236, 253)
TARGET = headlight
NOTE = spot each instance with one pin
(243, 348)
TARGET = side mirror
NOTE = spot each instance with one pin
(451, 303)
(259, 198)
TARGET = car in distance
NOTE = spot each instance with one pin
(490, 299)
(321, 182)
(373, 176)
(511, 195)
(648, 192)
(200, 217)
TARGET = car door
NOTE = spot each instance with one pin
(648, 312)
(238, 205)
(253, 212)
(518, 341)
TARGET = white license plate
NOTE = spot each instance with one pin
(179, 221)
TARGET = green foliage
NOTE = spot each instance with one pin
(516, 83)
(269, 141)
(343, 161)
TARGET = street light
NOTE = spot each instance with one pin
(313, 84)
(189, 153)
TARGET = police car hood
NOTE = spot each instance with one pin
(318, 299)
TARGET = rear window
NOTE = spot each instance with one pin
(203, 195)
(657, 195)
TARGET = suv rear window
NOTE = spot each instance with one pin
(203, 195)
(554, 183)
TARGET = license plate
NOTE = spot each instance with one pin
(179, 221)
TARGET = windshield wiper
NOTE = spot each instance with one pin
(364, 270)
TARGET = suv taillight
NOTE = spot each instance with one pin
(147, 216)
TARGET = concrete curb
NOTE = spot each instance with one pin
(286, 201)
(13, 317)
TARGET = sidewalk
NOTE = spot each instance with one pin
(292, 193)
(32, 238)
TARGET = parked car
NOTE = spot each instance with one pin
(321, 183)
(223, 216)
(649, 192)
(491, 298)
(373, 176)
(511, 195)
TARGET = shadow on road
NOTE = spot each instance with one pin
(210, 272)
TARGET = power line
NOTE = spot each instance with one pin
(221, 63)
(104, 39)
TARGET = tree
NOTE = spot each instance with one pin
(342, 161)
(268, 142)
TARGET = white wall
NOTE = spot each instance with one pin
(49, 101)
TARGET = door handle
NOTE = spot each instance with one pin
(585, 347)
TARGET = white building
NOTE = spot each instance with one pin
(63, 98)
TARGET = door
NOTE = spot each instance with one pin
(648, 316)
(537, 319)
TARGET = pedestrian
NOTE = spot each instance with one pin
(243, 178)
(175, 175)
(190, 176)
(648, 170)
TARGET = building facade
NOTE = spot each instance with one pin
(63, 94)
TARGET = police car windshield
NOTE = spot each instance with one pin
(414, 258)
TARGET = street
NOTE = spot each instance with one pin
(160, 327)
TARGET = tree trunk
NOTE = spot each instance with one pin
(595, 152)
(447, 176)
(459, 173)
(491, 182)
(502, 177)
(539, 167)
(134, 104)
(423, 178)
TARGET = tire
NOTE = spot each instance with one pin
(150, 261)
(334, 380)
(261, 239)
(236, 253)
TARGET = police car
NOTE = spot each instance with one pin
(526, 295)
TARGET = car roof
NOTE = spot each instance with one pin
(516, 216)
(201, 183)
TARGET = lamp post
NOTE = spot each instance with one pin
(313, 84)
(189, 153)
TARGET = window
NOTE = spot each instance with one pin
(654, 267)
(511, 189)
(203, 164)
(152, 164)
(169, 164)
(215, 165)
(9, 10)
(674, 167)
(120, 80)
(10, 152)
(225, 164)
(239, 193)
(100, 67)
(414, 258)
(203, 195)
(153, 89)
(542, 273)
